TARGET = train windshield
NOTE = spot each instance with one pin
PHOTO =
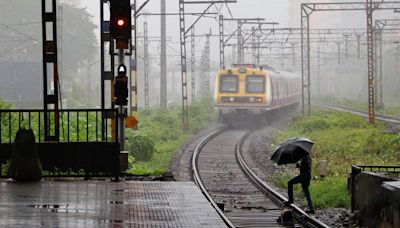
(255, 84)
(229, 84)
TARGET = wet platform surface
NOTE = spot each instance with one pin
(104, 204)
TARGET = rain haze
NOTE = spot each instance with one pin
(284, 12)
(200, 113)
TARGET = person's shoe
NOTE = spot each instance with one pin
(310, 212)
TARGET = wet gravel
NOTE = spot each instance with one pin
(258, 149)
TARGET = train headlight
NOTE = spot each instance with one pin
(231, 99)
(259, 99)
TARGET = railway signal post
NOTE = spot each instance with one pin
(120, 30)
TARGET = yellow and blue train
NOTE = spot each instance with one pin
(245, 89)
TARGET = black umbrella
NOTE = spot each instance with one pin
(292, 150)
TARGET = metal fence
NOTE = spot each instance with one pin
(90, 125)
(86, 142)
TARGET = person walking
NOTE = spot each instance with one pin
(304, 178)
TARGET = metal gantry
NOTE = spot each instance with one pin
(241, 39)
(280, 39)
(50, 68)
(306, 10)
(183, 32)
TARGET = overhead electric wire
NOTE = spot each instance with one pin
(24, 34)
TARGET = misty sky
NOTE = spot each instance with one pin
(286, 12)
(272, 10)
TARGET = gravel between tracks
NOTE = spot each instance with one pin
(257, 152)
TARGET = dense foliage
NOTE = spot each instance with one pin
(23, 29)
(4, 105)
(342, 140)
(160, 135)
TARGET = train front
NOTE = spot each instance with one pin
(240, 93)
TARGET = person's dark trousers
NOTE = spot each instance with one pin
(305, 184)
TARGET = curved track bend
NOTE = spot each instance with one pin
(222, 174)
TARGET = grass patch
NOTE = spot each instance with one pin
(330, 192)
(342, 140)
(163, 129)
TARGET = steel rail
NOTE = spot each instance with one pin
(197, 178)
(383, 118)
(301, 217)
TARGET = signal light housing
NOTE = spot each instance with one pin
(121, 87)
(121, 22)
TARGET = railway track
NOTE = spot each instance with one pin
(383, 118)
(222, 174)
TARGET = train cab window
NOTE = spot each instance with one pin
(229, 84)
(255, 84)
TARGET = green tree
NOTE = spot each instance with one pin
(21, 33)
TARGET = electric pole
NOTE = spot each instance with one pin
(163, 57)
(207, 65)
(193, 65)
(146, 65)
(338, 49)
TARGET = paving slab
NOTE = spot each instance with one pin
(105, 204)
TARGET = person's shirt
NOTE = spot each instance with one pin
(305, 166)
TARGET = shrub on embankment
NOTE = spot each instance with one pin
(162, 128)
(342, 140)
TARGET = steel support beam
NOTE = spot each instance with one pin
(339, 53)
(146, 65)
(163, 57)
(182, 35)
(133, 77)
(107, 76)
(221, 43)
(253, 45)
(185, 105)
(370, 47)
(50, 66)
(207, 66)
(240, 39)
(369, 6)
(381, 26)
(193, 65)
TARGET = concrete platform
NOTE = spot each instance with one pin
(104, 204)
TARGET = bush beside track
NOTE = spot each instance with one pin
(160, 136)
(341, 139)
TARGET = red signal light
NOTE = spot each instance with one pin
(120, 22)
